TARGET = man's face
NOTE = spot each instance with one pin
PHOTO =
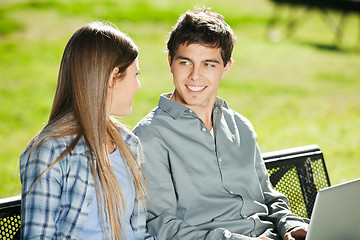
(197, 71)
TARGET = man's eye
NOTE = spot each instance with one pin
(185, 63)
(209, 65)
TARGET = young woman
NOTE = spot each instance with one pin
(81, 175)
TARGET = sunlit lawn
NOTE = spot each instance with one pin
(296, 92)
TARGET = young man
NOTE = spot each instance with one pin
(206, 177)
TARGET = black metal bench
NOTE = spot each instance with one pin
(10, 218)
(299, 173)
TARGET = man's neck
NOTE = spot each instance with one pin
(204, 112)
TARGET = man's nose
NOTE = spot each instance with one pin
(195, 73)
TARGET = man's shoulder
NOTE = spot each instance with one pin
(238, 118)
(152, 118)
(149, 122)
(229, 112)
(148, 119)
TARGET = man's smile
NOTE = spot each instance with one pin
(195, 88)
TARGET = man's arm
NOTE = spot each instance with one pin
(279, 212)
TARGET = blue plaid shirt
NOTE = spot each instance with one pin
(59, 203)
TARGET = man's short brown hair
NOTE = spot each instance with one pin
(203, 27)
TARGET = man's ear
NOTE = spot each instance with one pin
(226, 68)
(112, 77)
(170, 63)
(169, 59)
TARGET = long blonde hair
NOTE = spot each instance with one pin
(79, 109)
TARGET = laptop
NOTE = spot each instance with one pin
(336, 213)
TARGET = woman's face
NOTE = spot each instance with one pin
(121, 93)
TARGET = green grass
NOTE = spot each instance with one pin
(302, 90)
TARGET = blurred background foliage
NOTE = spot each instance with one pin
(296, 91)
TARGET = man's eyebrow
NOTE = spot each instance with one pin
(206, 60)
(212, 60)
(183, 58)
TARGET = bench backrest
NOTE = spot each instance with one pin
(299, 173)
(10, 217)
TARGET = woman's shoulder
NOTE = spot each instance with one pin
(126, 134)
(50, 147)
(130, 139)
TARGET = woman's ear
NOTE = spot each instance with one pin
(112, 77)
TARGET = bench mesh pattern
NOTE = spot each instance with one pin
(299, 179)
(9, 227)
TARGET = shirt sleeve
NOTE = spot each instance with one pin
(162, 221)
(138, 218)
(279, 213)
(40, 201)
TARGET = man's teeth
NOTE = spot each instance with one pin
(195, 89)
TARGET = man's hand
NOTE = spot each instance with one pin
(296, 234)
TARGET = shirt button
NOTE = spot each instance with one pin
(253, 235)
(190, 111)
(203, 129)
(227, 234)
